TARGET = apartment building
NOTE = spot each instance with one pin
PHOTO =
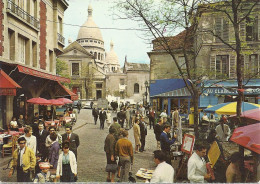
(31, 39)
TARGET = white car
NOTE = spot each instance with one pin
(87, 105)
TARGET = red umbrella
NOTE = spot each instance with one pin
(56, 102)
(65, 100)
(39, 101)
(248, 137)
(252, 114)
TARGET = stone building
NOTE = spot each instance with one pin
(96, 73)
(31, 38)
(215, 57)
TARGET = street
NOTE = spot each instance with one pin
(91, 155)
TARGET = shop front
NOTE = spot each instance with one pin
(226, 91)
(170, 93)
(33, 83)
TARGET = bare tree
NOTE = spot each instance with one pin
(237, 13)
(159, 20)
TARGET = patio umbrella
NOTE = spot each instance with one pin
(252, 114)
(248, 137)
(65, 100)
(39, 101)
(56, 102)
(230, 108)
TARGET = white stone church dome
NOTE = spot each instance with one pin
(111, 57)
(89, 29)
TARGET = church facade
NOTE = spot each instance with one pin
(96, 73)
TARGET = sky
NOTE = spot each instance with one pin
(126, 42)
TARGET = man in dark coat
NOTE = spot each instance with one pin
(143, 132)
(121, 117)
(157, 131)
(41, 138)
(95, 114)
(102, 118)
(72, 138)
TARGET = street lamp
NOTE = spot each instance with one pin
(146, 94)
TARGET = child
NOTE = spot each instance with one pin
(38, 160)
(44, 175)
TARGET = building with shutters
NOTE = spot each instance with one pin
(215, 57)
(30, 40)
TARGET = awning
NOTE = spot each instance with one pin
(168, 88)
(72, 95)
(7, 85)
(36, 73)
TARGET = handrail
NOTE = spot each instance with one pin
(61, 38)
(23, 14)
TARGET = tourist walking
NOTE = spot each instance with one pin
(137, 135)
(157, 131)
(72, 138)
(124, 150)
(102, 118)
(143, 133)
(23, 161)
(54, 150)
(95, 114)
(67, 164)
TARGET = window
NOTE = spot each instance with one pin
(51, 60)
(253, 63)
(136, 88)
(222, 65)
(86, 40)
(222, 29)
(122, 81)
(75, 69)
(98, 56)
(11, 37)
(60, 25)
(34, 56)
(95, 55)
(99, 85)
(91, 41)
(21, 49)
(95, 41)
(251, 29)
(182, 64)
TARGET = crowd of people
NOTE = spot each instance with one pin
(41, 144)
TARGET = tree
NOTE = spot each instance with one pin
(237, 12)
(61, 67)
(159, 20)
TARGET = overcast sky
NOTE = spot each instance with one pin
(126, 42)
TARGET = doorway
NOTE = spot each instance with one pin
(98, 94)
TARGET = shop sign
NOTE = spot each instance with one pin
(230, 92)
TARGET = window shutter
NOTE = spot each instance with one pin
(258, 27)
(218, 28)
(243, 30)
(226, 30)
(213, 64)
(232, 71)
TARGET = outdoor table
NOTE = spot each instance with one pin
(51, 123)
(145, 174)
(3, 138)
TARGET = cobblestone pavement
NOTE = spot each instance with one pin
(91, 155)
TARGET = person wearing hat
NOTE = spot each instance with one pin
(44, 175)
(223, 130)
(24, 161)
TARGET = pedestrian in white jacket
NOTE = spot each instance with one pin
(67, 165)
(30, 139)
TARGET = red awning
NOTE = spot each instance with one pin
(73, 95)
(7, 85)
(36, 73)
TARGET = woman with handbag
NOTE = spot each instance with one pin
(109, 148)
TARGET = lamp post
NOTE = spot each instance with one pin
(146, 94)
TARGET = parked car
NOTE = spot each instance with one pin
(75, 103)
(87, 105)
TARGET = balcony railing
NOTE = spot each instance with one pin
(61, 39)
(11, 6)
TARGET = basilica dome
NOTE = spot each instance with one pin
(111, 57)
(89, 29)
